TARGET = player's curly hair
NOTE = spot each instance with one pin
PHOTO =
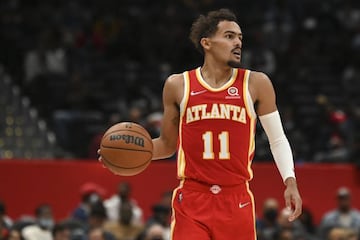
(206, 25)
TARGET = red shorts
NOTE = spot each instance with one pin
(212, 212)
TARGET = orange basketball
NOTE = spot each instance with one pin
(126, 149)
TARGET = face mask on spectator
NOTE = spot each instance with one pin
(46, 223)
(271, 214)
(94, 197)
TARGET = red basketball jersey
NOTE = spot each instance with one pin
(217, 129)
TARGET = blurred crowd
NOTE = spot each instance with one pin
(119, 217)
(87, 64)
(340, 223)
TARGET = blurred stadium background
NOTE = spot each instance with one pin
(70, 69)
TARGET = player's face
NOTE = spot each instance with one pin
(226, 43)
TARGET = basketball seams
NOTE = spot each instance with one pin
(117, 166)
(120, 148)
(128, 130)
(125, 150)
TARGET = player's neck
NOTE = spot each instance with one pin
(216, 76)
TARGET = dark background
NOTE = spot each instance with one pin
(73, 68)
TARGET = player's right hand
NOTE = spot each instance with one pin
(100, 158)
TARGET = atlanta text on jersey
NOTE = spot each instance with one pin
(216, 111)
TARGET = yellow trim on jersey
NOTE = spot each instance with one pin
(173, 221)
(181, 163)
(247, 98)
(251, 146)
(249, 110)
(223, 87)
(185, 97)
(180, 158)
(253, 207)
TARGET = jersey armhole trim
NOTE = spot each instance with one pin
(185, 97)
(248, 101)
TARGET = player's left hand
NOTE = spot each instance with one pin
(292, 199)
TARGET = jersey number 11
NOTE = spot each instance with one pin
(208, 152)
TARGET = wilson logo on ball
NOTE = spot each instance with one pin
(128, 139)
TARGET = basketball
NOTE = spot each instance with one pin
(126, 149)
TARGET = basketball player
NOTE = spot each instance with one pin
(209, 117)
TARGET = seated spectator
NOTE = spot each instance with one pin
(161, 211)
(286, 234)
(343, 215)
(90, 194)
(336, 233)
(267, 227)
(48, 56)
(351, 234)
(96, 138)
(97, 216)
(99, 234)
(155, 232)
(153, 124)
(15, 234)
(61, 232)
(124, 228)
(306, 219)
(97, 219)
(113, 204)
(291, 230)
(5, 221)
(161, 215)
(43, 226)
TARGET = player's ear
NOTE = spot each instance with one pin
(205, 43)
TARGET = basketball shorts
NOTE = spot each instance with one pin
(212, 212)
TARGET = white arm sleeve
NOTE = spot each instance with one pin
(279, 144)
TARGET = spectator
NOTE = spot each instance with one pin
(155, 232)
(161, 211)
(96, 220)
(90, 193)
(336, 233)
(291, 230)
(5, 221)
(268, 227)
(336, 131)
(351, 234)
(286, 234)
(343, 216)
(15, 234)
(43, 226)
(306, 219)
(3, 232)
(97, 216)
(114, 203)
(124, 228)
(71, 228)
(48, 57)
(99, 234)
(96, 138)
(153, 124)
(160, 215)
(61, 232)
